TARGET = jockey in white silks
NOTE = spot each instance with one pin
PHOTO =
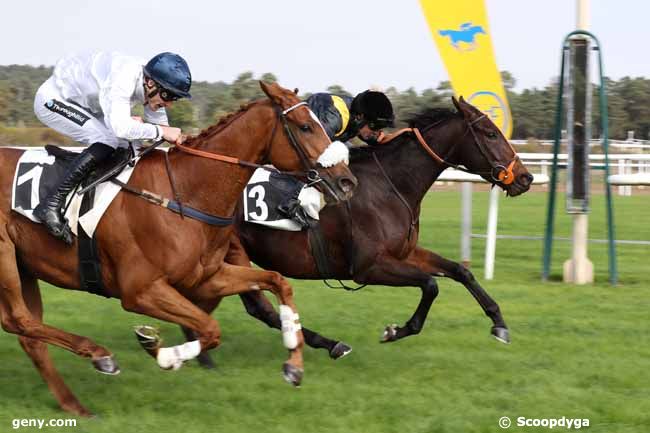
(89, 98)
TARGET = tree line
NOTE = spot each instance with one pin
(532, 109)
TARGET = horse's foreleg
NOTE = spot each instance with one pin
(38, 352)
(17, 318)
(161, 301)
(204, 358)
(259, 307)
(437, 265)
(389, 271)
(231, 280)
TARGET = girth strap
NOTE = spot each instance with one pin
(176, 206)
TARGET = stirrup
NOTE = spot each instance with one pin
(64, 233)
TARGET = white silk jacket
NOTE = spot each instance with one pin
(109, 84)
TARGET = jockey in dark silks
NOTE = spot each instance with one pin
(344, 118)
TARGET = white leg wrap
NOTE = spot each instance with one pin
(336, 152)
(290, 327)
(173, 357)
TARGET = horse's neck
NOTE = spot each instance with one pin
(411, 170)
(215, 186)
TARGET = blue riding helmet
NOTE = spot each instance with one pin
(171, 72)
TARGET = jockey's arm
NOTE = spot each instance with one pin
(115, 101)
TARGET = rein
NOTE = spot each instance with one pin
(310, 172)
(177, 206)
(414, 218)
(498, 172)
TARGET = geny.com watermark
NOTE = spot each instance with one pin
(40, 423)
(564, 422)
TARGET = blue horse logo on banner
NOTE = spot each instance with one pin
(467, 33)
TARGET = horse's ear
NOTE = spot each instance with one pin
(271, 90)
(456, 104)
(295, 91)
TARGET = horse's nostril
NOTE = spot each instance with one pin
(347, 184)
(526, 179)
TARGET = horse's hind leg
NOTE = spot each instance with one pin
(38, 352)
(17, 319)
(259, 307)
(437, 265)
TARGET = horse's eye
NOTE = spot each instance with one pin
(305, 127)
(492, 135)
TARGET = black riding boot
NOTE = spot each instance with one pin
(49, 210)
(292, 209)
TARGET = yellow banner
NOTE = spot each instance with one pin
(461, 32)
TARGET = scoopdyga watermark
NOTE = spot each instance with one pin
(550, 423)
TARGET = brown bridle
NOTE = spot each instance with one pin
(498, 173)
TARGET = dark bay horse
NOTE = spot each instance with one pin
(157, 263)
(374, 241)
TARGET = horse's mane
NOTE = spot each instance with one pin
(430, 117)
(421, 120)
(221, 124)
(358, 154)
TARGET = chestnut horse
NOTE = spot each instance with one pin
(157, 263)
(374, 240)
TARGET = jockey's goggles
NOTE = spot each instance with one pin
(167, 95)
(379, 124)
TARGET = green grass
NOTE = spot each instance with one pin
(577, 352)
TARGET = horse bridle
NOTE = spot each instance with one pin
(499, 172)
(312, 174)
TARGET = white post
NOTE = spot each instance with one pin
(628, 170)
(491, 240)
(466, 224)
(621, 170)
(582, 18)
(579, 269)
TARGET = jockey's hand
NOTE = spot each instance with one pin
(172, 135)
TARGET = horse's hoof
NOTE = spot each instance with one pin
(205, 361)
(78, 410)
(291, 374)
(340, 350)
(149, 339)
(390, 334)
(501, 334)
(106, 365)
